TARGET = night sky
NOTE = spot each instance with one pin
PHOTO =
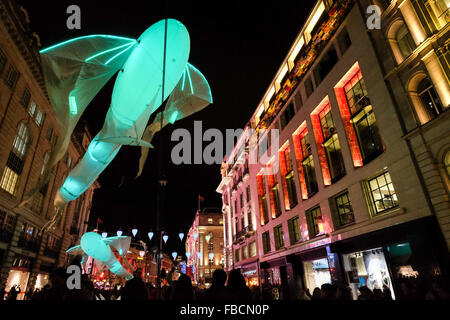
(237, 46)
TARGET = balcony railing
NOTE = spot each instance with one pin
(241, 233)
(28, 243)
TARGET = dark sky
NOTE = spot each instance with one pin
(237, 45)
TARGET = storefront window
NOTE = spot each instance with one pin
(367, 268)
(317, 273)
(402, 261)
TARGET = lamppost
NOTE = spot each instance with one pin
(211, 258)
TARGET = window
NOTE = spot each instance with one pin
(405, 41)
(363, 118)
(343, 209)
(49, 134)
(287, 171)
(26, 96)
(244, 252)
(37, 202)
(252, 249)
(294, 230)
(236, 255)
(344, 41)
(44, 165)
(315, 222)
(262, 199)
(2, 61)
(11, 76)
(210, 220)
(266, 242)
(248, 193)
(54, 139)
(32, 109)
(39, 118)
(325, 65)
(429, 98)
(298, 100)
(439, 11)
(331, 145)
(221, 222)
(309, 30)
(249, 219)
(287, 115)
(263, 145)
(274, 193)
(383, 193)
(308, 164)
(278, 235)
(241, 198)
(16, 159)
(309, 88)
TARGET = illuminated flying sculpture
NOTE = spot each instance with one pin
(76, 70)
(100, 249)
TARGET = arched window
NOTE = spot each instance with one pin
(405, 41)
(429, 98)
(16, 160)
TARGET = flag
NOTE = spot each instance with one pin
(200, 198)
(99, 221)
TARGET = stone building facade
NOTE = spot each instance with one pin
(28, 132)
(355, 188)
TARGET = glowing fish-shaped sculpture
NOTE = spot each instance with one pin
(76, 70)
(100, 249)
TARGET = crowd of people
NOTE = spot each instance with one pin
(224, 287)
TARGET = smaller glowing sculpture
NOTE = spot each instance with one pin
(102, 251)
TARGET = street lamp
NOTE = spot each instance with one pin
(174, 255)
(119, 233)
(165, 237)
(150, 235)
(104, 235)
(134, 232)
(181, 235)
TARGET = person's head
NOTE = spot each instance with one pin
(317, 292)
(236, 279)
(365, 291)
(219, 278)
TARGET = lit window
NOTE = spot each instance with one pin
(383, 193)
(15, 162)
(39, 118)
(210, 220)
(447, 163)
(292, 58)
(266, 242)
(32, 109)
(315, 221)
(221, 221)
(278, 235)
(44, 165)
(252, 249)
(405, 41)
(281, 77)
(69, 161)
(244, 252)
(315, 18)
(26, 96)
(429, 98)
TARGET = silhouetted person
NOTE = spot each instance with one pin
(438, 291)
(58, 287)
(378, 294)
(302, 295)
(217, 291)
(237, 286)
(328, 291)
(135, 289)
(366, 293)
(2, 293)
(317, 294)
(12, 295)
(182, 289)
(386, 293)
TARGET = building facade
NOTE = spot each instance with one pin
(240, 241)
(28, 132)
(204, 245)
(355, 186)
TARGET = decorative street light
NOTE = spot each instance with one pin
(104, 235)
(165, 237)
(208, 237)
(181, 235)
(211, 257)
(150, 235)
(119, 233)
(174, 255)
(134, 232)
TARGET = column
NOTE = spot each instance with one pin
(412, 21)
(438, 77)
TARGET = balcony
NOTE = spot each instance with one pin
(28, 243)
(246, 231)
(5, 235)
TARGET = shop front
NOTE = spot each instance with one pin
(382, 259)
(250, 274)
(43, 277)
(19, 275)
(276, 276)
